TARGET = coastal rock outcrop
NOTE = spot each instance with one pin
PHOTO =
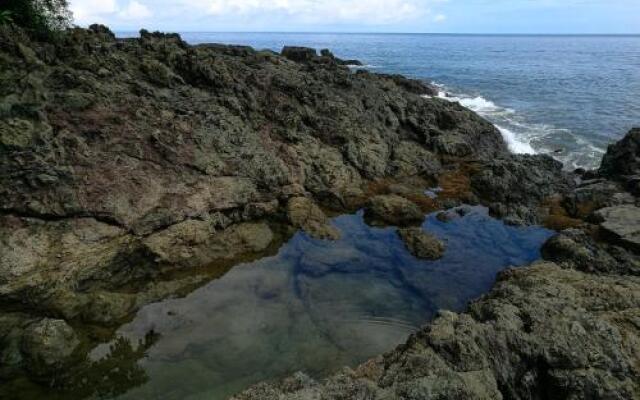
(128, 161)
(220, 137)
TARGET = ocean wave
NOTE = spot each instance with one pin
(488, 108)
(524, 137)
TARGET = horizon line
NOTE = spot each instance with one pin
(383, 33)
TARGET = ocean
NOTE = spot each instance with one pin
(568, 96)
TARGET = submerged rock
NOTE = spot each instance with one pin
(393, 210)
(422, 244)
(305, 214)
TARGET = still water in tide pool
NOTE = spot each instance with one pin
(317, 305)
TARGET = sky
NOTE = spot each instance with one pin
(419, 16)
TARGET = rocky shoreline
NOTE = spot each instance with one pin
(138, 169)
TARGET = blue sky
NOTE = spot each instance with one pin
(438, 16)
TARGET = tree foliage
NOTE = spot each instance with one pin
(39, 17)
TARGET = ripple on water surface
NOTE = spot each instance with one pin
(318, 305)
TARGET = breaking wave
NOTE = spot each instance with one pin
(523, 137)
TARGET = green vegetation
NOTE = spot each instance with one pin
(38, 17)
(5, 17)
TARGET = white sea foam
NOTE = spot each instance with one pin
(515, 145)
(488, 108)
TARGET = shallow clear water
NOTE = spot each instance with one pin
(318, 305)
(570, 93)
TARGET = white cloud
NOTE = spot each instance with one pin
(253, 14)
(90, 11)
(440, 18)
(135, 10)
(313, 11)
(108, 11)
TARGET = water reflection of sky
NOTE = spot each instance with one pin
(319, 305)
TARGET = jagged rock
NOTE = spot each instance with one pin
(595, 194)
(305, 214)
(48, 344)
(393, 210)
(299, 54)
(623, 158)
(518, 184)
(518, 342)
(422, 244)
(573, 248)
(621, 224)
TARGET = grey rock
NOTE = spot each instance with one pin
(621, 224)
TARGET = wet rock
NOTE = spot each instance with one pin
(621, 224)
(422, 244)
(518, 342)
(48, 344)
(305, 214)
(393, 210)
